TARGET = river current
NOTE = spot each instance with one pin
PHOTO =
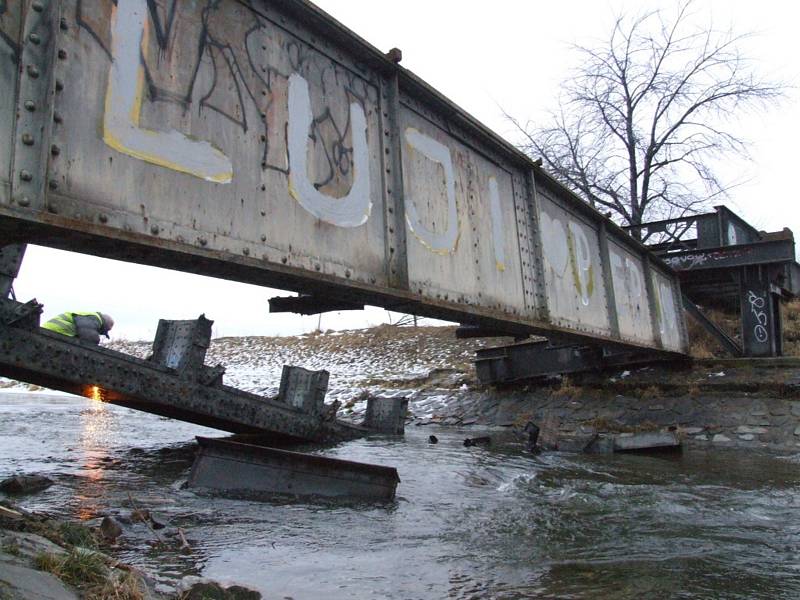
(467, 522)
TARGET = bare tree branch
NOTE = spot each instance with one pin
(643, 119)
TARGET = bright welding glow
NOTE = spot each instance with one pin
(95, 393)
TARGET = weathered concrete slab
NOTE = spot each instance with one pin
(246, 468)
(650, 440)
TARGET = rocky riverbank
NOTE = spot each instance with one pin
(45, 558)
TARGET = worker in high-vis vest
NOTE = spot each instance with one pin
(86, 326)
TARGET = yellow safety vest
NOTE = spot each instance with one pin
(65, 322)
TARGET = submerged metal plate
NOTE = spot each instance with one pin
(245, 468)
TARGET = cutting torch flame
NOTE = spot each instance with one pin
(95, 393)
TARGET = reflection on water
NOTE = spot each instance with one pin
(467, 522)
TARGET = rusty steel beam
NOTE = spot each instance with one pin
(349, 178)
(44, 358)
(307, 304)
(10, 262)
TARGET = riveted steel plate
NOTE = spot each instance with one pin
(9, 61)
(463, 242)
(233, 134)
(630, 292)
(668, 311)
(264, 142)
(573, 269)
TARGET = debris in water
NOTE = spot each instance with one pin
(25, 484)
(236, 467)
(532, 429)
(433, 440)
(478, 441)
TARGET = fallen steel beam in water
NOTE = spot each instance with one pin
(245, 468)
(173, 383)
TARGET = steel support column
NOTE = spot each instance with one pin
(10, 262)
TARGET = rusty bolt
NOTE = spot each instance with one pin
(52, 208)
(30, 105)
(35, 38)
(33, 71)
(284, 260)
(246, 251)
(57, 117)
(64, 25)
(62, 54)
(202, 241)
(103, 217)
(53, 184)
(27, 139)
(263, 237)
(37, 6)
(395, 55)
(154, 229)
(317, 267)
(59, 85)
(55, 150)
(24, 201)
(25, 175)
(347, 273)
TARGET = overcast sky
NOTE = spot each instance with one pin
(487, 57)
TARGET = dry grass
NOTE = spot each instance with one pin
(119, 586)
(604, 424)
(701, 343)
(76, 534)
(79, 567)
(791, 328)
(652, 392)
(567, 389)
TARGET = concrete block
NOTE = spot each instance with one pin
(720, 438)
(748, 429)
(386, 415)
(602, 444)
(574, 444)
(778, 409)
(747, 437)
(648, 440)
(692, 430)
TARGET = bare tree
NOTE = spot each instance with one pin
(645, 116)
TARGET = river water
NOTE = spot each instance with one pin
(467, 522)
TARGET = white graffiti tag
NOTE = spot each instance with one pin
(352, 210)
(757, 304)
(441, 243)
(121, 131)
